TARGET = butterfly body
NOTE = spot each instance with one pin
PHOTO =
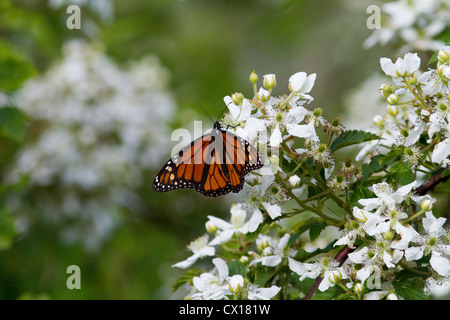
(213, 165)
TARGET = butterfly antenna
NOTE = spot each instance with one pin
(222, 113)
(207, 114)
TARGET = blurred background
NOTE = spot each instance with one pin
(87, 114)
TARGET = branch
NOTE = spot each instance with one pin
(340, 257)
(432, 182)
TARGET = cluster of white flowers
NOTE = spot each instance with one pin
(96, 128)
(387, 233)
(413, 23)
(417, 103)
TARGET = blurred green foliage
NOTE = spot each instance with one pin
(209, 48)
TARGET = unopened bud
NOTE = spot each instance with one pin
(426, 205)
(210, 227)
(359, 288)
(253, 77)
(392, 99)
(236, 283)
(335, 276)
(237, 98)
(269, 81)
(443, 56)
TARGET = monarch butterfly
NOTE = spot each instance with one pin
(213, 165)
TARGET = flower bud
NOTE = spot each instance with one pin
(441, 70)
(294, 181)
(274, 163)
(262, 243)
(378, 121)
(236, 283)
(335, 276)
(388, 235)
(318, 112)
(426, 205)
(443, 56)
(244, 259)
(269, 81)
(412, 81)
(392, 99)
(392, 111)
(359, 288)
(237, 98)
(385, 90)
(263, 95)
(253, 77)
(210, 227)
(391, 296)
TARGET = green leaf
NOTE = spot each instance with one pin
(391, 156)
(314, 226)
(236, 267)
(372, 167)
(14, 70)
(12, 123)
(327, 294)
(352, 137)
(186, 278)
(262, 275)
(402, 173)
(316, 229)
(360, 192)
(409, 290)
(7, 229)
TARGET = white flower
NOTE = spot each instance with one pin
(386, 197)
(277, 251)
(323, 267)
(200, 248)
(302, 84)
(239, 113)
(402, 67)
(102, 127)
(226, 230)
(433, 243)
(212, 285)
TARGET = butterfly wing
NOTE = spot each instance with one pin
(213, 165)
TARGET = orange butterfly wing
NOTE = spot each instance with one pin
(214, 165)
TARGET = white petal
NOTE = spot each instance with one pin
(298, 267)
(271, 261)
(306, 131)
(222, 267)
(413, 253)
(255, 221)
(309, 83)
(221, 224)
(263, 293)
(246, 110)
(440, 264)
(222, 237)
(273, 210)
(433, 225)
(296, 81)
(388, 67)
(276, 138)
(441, 151)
